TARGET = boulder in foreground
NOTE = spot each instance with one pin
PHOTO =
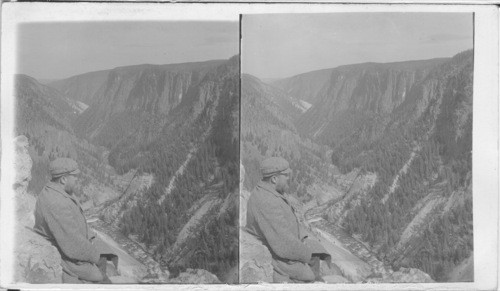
(255, 260)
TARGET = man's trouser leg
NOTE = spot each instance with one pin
(315, 267)
(69, 279)
(279, 278)
(296, 273)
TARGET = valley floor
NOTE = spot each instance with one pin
(351, 256)
(356, 250)
(135, 261)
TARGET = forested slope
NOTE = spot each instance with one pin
(409, 123)
(45, 116)
(145, 127)
(200, 136)
(268, 129)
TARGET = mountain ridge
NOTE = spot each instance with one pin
(319, 78)
(84, 86)
(347, 66)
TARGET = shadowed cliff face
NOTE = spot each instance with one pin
(36, 259)
(305, 86)
(39, 104)
(368, 99)
(45, 115)
(364, 104)
(357, 95)
(364, 80)
(81, 87)
(142, 96)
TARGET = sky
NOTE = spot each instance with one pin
(283, 45)
(61, 50)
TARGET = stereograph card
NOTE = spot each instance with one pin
(285, 146)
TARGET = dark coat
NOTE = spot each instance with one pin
(59, 217)
(271, 219)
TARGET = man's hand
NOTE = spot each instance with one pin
(106, 280)
(314, 263)
(103, 262)
(314, 260)
(102, 265)
(111, 257)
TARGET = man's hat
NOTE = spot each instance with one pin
(274, 165)
(63, 166)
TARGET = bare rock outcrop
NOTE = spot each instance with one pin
(23, 164)
(335, 279)
(195, 276)
(255, 260)
(404, 275)
(244, 196)
(36, 259)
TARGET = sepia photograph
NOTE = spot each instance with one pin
(127, 143)
(356, 146)
(249, 146)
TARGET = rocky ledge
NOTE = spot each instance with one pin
(255, 260)
(36, 259)
(404, 275)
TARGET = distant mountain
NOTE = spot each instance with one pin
(305, 86)
(46, 81)
(134, 102)
(42, 115)
(82, 87)
(41, 103)
(348, 96)
(268, 129)
(270, 80)
(45, 116)
(312, 85)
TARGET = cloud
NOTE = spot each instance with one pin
(445, 37)
(220, 39)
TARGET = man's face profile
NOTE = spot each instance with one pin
(282, 182)
(69, 182)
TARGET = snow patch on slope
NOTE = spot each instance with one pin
(127, 266)
(302, 105)
(177, 174)
(402, 171)
(196, 218)
(82, 106)
(351, 266)
(306, 105)
(320, 130)
(190, 155)
(432, 202)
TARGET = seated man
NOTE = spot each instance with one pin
(271, 218)
(59, 217)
